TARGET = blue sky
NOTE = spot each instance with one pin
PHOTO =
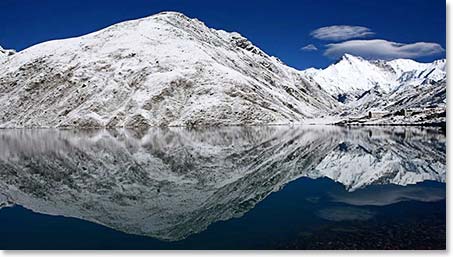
(374, 29)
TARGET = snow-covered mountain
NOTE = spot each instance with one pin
(353, 75)
(404, 91)
(170, 183)
(170, 70)
(163, 70)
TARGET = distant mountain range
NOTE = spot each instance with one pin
(170, 70)
(405, 91)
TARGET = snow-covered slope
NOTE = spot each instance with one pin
(415, 73)
(163, 70)
(172, 182)
(353, 75)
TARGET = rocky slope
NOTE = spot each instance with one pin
(171, 183)
(163, 70)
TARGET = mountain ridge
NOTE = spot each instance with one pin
(373, 71)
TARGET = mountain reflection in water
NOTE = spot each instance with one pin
(172, 183)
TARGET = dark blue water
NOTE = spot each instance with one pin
(304, 213)
(285, 220)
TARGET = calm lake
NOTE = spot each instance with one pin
(276, 187)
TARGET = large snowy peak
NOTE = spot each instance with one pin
(352, 74)
(163, 70)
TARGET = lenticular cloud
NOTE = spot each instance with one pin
(383, 49)
(341, 32)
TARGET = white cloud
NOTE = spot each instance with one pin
(382, 49)
(309, 48)
(341, 32)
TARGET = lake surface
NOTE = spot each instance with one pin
(281, 187)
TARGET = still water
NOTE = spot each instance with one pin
(313, 187)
